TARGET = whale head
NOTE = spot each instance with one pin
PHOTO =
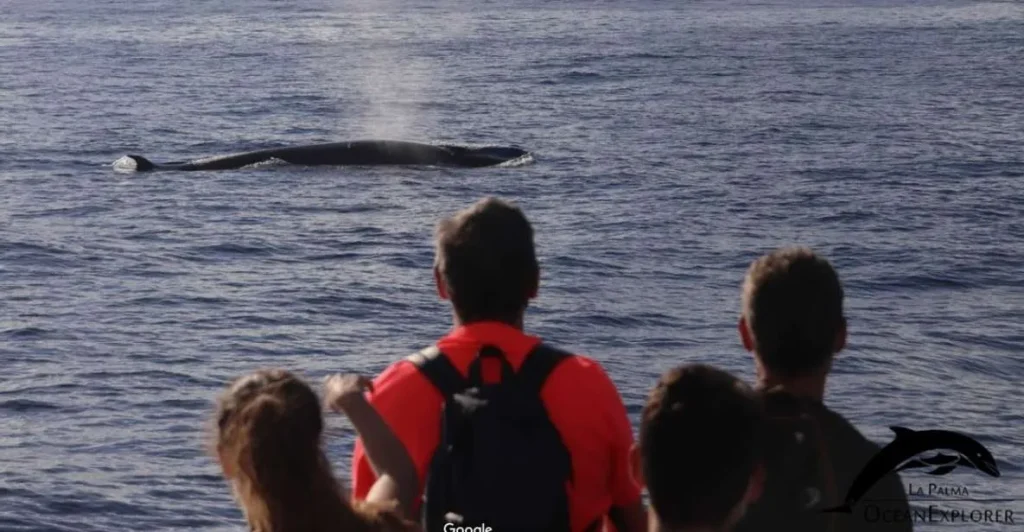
(133, 163)
(486, 155)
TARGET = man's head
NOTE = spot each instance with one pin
(485, 262)
(792, 312)
(698, 450)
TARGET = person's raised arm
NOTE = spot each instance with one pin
(396, 473)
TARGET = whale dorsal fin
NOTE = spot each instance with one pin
(901, 431)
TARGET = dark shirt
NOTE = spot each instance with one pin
(812, 456)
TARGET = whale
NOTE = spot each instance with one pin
(352, 153)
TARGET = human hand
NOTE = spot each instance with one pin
(344, 390)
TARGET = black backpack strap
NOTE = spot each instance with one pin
(435, 366)
(488, 351)
(539, 363)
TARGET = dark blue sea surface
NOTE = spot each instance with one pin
(673, 143)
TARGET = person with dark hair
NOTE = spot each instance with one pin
(504, 430)
(268, 442)
(792, 320)
(699, 450)
(792, 317)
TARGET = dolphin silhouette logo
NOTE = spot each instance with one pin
(902, 453)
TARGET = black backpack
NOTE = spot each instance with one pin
(500, 461)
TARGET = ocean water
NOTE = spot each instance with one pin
(673, 143)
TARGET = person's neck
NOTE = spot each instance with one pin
(517, 322)
(809, 386)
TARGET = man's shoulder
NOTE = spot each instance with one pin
(575, 363)
(399, 370)
(851, 450)
(831, 425)
(812, 450)
(835, 443)
(574, 368)
(400, 379)
(846, 438)
(579, 380)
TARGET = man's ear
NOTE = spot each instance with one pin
(755, 488)
(636, 465)
(442, 290)
(840, 338)
(536, 286)
(745, 336)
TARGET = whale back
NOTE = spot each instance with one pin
(356, 153)
(485, 156)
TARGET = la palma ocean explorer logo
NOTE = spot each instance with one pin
(905, 453)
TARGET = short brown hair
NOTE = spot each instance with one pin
(793, 306)
(487, 260)
(699, 445)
